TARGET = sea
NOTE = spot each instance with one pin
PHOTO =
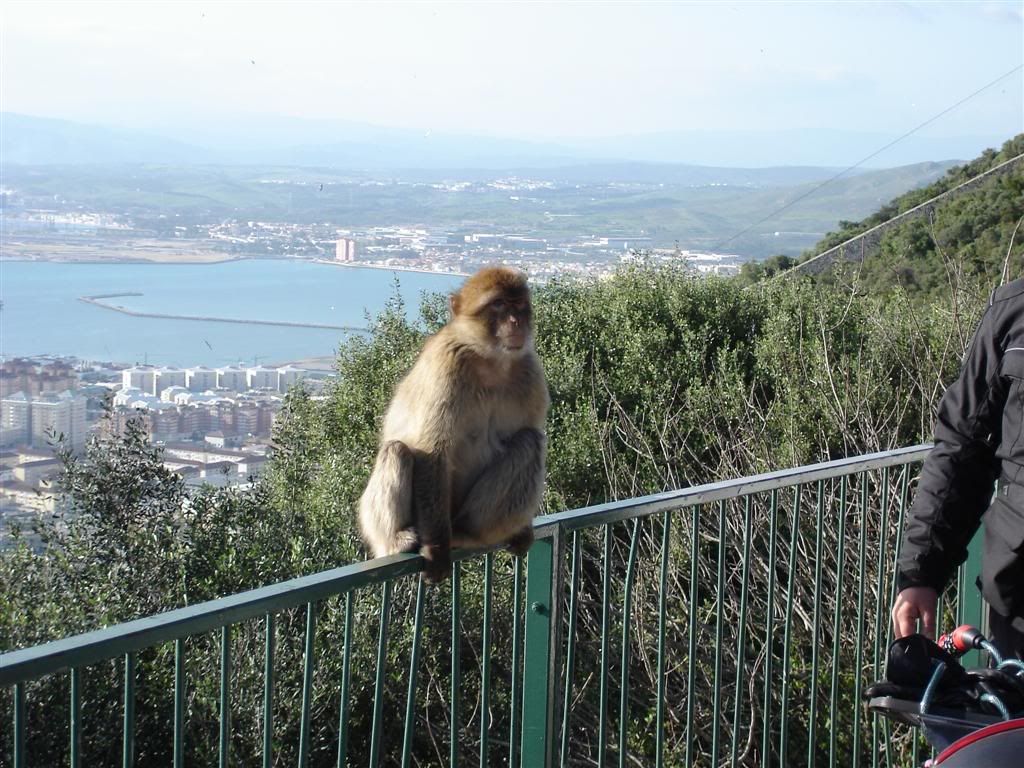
(42, 313)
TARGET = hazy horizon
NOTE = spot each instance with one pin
(576, 74)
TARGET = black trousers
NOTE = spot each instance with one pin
(1004, 635)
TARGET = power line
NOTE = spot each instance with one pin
(859, 163)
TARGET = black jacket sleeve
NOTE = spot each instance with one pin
(958, 477)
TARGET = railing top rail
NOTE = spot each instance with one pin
(640, 506)
(111, 642)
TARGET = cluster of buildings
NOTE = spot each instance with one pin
(232, 404)
(154, 380)
(39, 402)
(463, 252)
(213, 424)
(35, 420)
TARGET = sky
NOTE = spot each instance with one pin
(524, 70)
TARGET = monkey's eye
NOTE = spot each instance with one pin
(498, 304)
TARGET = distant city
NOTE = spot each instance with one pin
(64, 233)
(213, 424)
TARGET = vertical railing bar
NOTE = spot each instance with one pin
(769, 630)
(812, 716)
(414, 664)
(517, 637)
(128, 745)
(485, 671)
(570, 654)
(346, 678)
(883, 537)
(719, 629)
(225, 695)
(659, 746)
(453, 749)
(691, 670)
(19, 725)
(378, 691)
(837, 615)
(179, 702)
(602, 724)
(741, 639)
(540, 634)
(76, 717)
(794, 536)
(268, 691)
(309, 659)
(959, 583)
(557, 590)
(903, 497)
(627, 609)
(904, 494)
(859, 651)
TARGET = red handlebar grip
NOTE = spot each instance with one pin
(965, 638)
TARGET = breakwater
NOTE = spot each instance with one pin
(99, 300)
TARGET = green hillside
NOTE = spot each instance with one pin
(969, 234)
(698, 208)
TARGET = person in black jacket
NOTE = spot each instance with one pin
(979, 440)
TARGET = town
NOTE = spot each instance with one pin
(213, 424)
(550, 240)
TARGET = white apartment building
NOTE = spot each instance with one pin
(139, 377)
(199, 398)
(200, 378)
(345, 249)
(55, 414)
(15, 419)
(287, 376)
(133, 397)
(167, 377)
(171, 394)
(232, 377)
(262, 378)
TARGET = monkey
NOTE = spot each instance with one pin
(462, 449)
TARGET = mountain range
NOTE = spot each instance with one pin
(274, 140)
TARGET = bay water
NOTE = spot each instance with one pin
(42, 314)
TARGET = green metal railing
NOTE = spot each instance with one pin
(733, 623)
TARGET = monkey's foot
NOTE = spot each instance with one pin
(520, 542)
(439, 562)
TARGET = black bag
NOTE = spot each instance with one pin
(911, 663)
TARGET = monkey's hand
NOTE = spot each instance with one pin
(521, 541)
(438, 559)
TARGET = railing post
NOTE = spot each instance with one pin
(972, 606)
(538, 677)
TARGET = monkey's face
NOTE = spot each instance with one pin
(509, 320)
(492, 310)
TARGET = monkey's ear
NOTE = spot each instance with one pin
(453, 304)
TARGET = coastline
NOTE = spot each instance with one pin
(387, 268)
(199, 262)
(202, 261)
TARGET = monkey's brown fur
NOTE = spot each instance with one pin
(462, 448)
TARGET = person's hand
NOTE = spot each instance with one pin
(911, 604)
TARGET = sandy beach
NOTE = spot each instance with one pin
(141, 250)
